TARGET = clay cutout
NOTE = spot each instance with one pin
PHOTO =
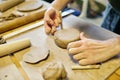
(65, 36)
(14, 46)
(30, 6)
(54, 71)
(36, 55)
(9, 4)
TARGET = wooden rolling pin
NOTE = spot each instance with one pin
(9, 25)
(9, 4)
(15, 46)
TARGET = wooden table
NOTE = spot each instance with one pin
(13, 67)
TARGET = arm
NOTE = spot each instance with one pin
(52, 16)
(59, 4)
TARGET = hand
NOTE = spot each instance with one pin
(89, 51)
(51, 20)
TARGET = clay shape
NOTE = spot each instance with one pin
(65, 36)
(30, 5)
(9, 4)
(54, 71)
(14, 46)
(36, 55)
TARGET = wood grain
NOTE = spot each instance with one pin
(118, 72)
(8, 71)
(114, 77)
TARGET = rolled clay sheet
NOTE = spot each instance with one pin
(9, 25)
(14, 46)
(9, 4)
(30, 5)
(36, 55)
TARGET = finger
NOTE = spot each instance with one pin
(56, 23)
(79, 56)
(76, 50)
(58, 17)
(74, 44)
(48, 20)
(86, 62)
(53, 30)
(47, 28)
(82, 35)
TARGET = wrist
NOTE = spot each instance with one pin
(59, 4)
(56, 7)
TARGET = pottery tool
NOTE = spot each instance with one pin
(79, 67)
(61, 25)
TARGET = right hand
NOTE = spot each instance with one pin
(51, 20)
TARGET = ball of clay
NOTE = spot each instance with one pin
(30, 6)
(54, 71)
(65, 36)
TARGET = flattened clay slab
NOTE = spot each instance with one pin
(54, 71)
(65, 36)
(9, 4)
(30, 5)
(36, 55)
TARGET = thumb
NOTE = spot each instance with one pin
(82, 35)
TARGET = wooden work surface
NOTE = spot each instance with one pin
(39, 39)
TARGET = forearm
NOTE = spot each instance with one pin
(118, 38)
(116, 43)
(59, 4)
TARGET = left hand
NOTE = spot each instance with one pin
(88, 51)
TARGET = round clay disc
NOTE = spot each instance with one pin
(30, 6)
(65, 36)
